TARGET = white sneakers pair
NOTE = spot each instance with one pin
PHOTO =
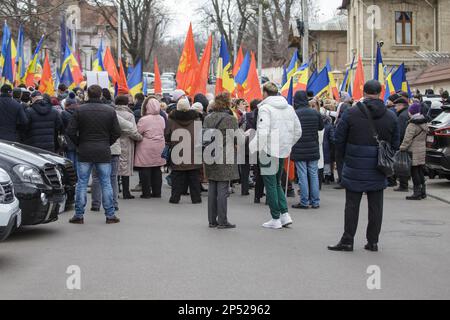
(284, 221)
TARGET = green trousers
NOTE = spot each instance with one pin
(274, 191)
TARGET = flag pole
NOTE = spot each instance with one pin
(287, 176)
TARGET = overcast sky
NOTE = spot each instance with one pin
(184, 11)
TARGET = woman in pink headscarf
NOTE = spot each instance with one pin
(148, 152)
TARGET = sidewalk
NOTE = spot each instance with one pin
(439, 189)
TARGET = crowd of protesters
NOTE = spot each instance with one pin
(110, 138)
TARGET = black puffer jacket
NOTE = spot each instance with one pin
(12, 118)
(66, 116)
(307, 148)
(355, 143)
(44, 126)
(93, 129)
(403, 119)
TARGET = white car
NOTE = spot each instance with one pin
(10, 214)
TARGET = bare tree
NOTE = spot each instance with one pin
(225, 15)
(144, 24)
(229, 17)
(38, 17)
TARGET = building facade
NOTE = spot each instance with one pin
(405, 28)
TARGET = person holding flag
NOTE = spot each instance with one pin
(306, 152)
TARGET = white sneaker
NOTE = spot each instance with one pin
(286, 220)
(273, 224)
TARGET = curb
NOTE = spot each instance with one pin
(438, 198)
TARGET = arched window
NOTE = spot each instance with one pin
(403, 27)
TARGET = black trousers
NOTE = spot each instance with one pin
(125, 185)
(352, 204)
(403, 182)
(259, 183)
(181, 180)
(244, 173)
(418, 175)
(151, 179)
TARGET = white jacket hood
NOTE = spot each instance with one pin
(278, 102)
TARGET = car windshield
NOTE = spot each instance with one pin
(444, 117)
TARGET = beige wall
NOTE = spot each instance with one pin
(360, 36)
(330, 44)
(444, 25)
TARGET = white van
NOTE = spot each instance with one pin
(10, 214)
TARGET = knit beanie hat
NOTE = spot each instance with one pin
(197, 107)
(177, 94)
(183, 105)
(415, 108)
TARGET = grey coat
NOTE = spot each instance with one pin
(127, 142)
(415, 139)
(221, 172)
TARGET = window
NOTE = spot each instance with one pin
(403, 27)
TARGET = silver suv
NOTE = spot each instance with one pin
(10, 214)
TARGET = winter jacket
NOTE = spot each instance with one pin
(137, 110)
(355, 143)
(223, 171)
(66, 116)
(127, 141)
(415, 139)
(93, 129)
(13, 119)
(187, 121)
(44, 125)
(403, 119)
(151, 126)
(307, 148)
(328, 140)
(278, 128)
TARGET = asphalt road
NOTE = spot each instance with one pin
(163, 251)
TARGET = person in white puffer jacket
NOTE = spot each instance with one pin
(278, 130)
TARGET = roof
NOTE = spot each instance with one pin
(337, 23)
(432, 74)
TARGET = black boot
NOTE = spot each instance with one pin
(341, 247)
(417, 195)
(126, 188)
(424, 191)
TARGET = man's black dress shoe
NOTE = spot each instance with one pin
(371, 247)
(341, 247)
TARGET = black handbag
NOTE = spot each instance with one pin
(402, 164)
(385, 151)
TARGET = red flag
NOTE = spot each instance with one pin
(291, 170)
(203, 71)
(122, 86)
(238, 62)
(157, 83)
(252, 89)
(358, 85)
(46, 84)
(188, 63)
(110, 66)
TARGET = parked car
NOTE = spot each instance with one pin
(37, 183)
(438, 146)
(168, 75)
(10, 214)
(435, 103)
(69, 176)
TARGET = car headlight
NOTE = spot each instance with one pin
(28, 174)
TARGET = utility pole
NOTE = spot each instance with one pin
(119, 34)
(306, 30)
(260, 13)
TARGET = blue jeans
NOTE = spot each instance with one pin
(104, 174)
(308, 180)
(96, 190)
(72, 156)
